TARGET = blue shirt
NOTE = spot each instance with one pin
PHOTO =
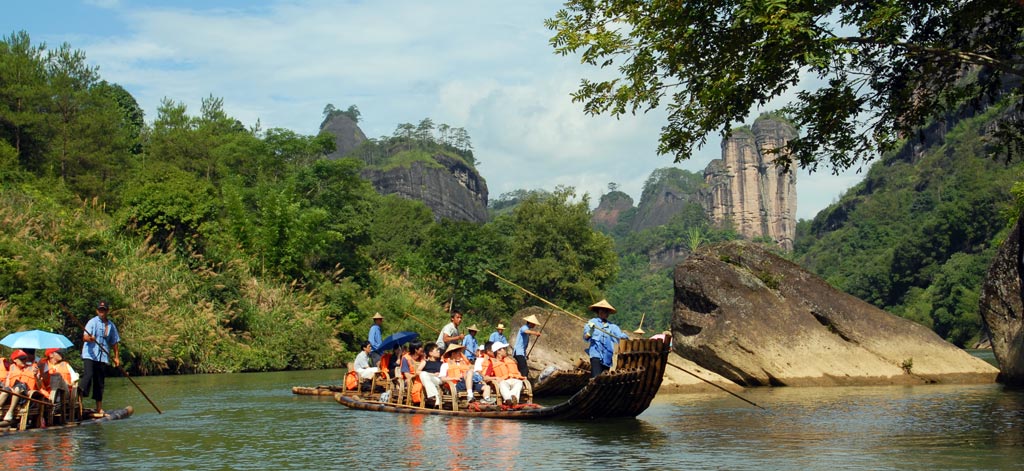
(602, 345)
(497, 337)
(374, 337)
(470, 343)
(521, 342)
(106, 335)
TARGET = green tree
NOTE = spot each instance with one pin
(456, 255)
(24, 93)
(397, 229)
(554, 252)
(885, 67)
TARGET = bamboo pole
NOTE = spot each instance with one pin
(549, 303)
(123, 372)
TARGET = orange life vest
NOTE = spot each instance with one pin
(385, 360)
(58, 369)
(505, 369)
(457, 367)
(351, 380)
(27, 375)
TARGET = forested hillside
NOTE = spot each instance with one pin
(225, 247)
(917, 235)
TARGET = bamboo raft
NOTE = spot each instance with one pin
(624, 392)
(562, 383)
(111, 415)
(320, 390)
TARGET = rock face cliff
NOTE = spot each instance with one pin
(347, 135)
(611, 209)
(1002, 308)
(758, 319)
(667, 193)
(745, 188)
(450, 188)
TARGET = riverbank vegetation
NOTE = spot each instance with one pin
(226, 247)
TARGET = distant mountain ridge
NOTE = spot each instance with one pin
(743, 189)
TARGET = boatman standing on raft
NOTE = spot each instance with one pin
(602, 336)
(100, 339)
(375, 338)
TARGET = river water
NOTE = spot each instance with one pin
(252, 421)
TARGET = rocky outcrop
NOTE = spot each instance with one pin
(611, 209)
(1002, 308)
(449, 187)
(561, 345)
(746, 189)
(758, 319)
(347, 135)
(667, 193)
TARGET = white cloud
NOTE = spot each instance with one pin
(483, 66)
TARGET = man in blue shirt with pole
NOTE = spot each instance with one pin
(602, 337)
(99, 348)
(375, 338)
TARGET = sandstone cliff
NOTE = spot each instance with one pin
(449, 187)
(667, 193)
(747, 190)
(758, 319)
(613, 207)
(347, 135)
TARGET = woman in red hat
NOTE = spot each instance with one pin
(22, 378)
(56, 367)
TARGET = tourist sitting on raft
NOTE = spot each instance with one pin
(506, 372)
(430, 375)
(458, 371)
(57, 374)
(23, 379)
(409, 369)
(363, 363)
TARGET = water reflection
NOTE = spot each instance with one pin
(50, 451)
(253, 422)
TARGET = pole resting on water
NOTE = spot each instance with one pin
(549, 303)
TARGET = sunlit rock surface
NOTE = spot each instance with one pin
(758, 319)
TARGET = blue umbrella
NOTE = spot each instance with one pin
(396, 339)
(36, 339)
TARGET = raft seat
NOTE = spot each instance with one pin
(30, 412)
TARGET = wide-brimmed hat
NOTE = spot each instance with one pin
(18, 354)
(501, 327)
(452, 347)
(498, 346)
(602, 304)
(377, 316)
(473, 328)
(532, 319)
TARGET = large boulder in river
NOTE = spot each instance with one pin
(759, 319)
(1002, 308)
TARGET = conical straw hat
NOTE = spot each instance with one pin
(532, 319)
(602, 304)
(452, 348)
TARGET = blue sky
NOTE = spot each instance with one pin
(483, 66)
